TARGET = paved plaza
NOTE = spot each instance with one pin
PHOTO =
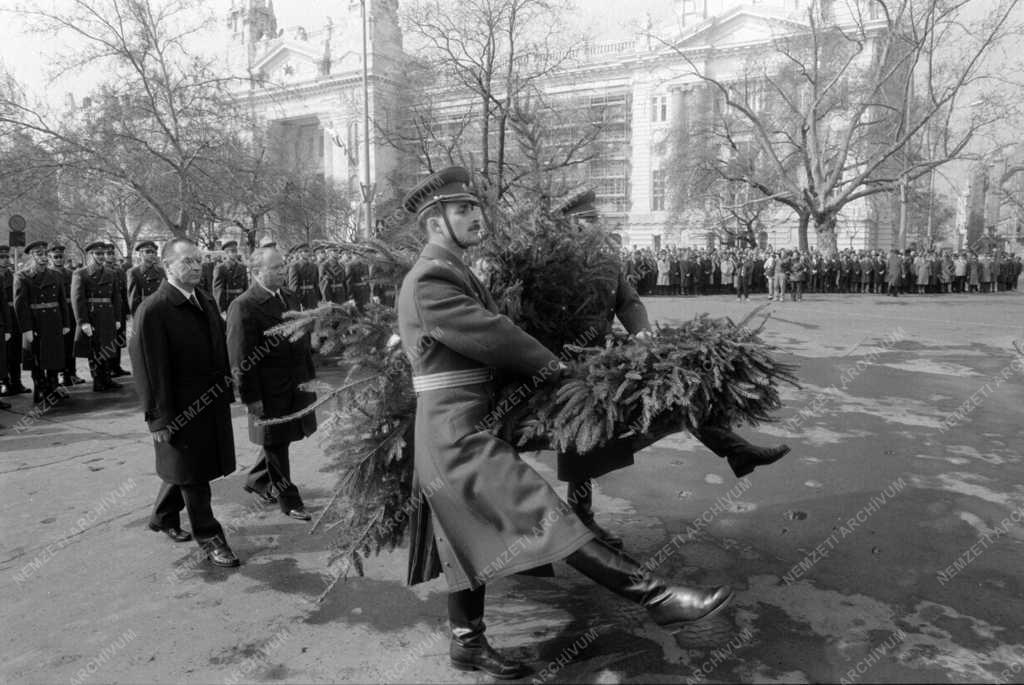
(886, 548)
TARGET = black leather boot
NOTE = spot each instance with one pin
(743, 456)
(581, 497)
(671, 607)
(469, 649)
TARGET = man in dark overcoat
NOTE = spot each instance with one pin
(303, 277)
(41, 306)
(333, 278)
(229, 277)
(120, 272)
(180, 359)
(6, 325)
(268, 371)
(357, 280)
(57, 263)
(144, 279)
(10, 382)
(484, 501)
(96, 301)
(893, 272)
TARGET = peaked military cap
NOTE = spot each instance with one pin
(577, 203)
(35, 245)
(229, 244)
(267, 242)
(448, 185)
(56, 248)
(296, 248)
(96, 246)
(320, 247)
(145, 245)
(5, 249)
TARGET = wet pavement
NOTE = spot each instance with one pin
(885, 548)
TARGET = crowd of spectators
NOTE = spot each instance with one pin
(782, 272)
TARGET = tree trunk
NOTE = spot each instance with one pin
(826, 232)
(801, 232)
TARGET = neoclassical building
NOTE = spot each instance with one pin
(307, 86)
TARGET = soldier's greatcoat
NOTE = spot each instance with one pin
(6, 324)
(304, 281)
(13, 347)
(269, 369)
(181, 372)
(143, 281)
(492, 515)
(620, 300)
(96, 300)
(41, 306)
(229, 281)
(357, 282)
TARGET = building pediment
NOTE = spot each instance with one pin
(288, 61)
(740, 26)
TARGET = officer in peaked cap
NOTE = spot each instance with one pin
(57, 264)
(40, 303)
(10, 379)
(96, 301)
(579, 204)
(144, 279)
(303, 277)
(333, 277)
(230, 278)
(492, 500)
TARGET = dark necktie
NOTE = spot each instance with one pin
(193, 300)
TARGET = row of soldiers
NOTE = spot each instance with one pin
(49, 314)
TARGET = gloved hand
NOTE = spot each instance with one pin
(87, 329)
(27, 337)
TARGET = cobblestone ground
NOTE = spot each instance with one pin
(885, 548)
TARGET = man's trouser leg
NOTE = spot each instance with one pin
(273, 473)
(14, 356)
(196, 499)
(466, 614)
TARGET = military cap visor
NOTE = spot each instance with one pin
(298, 248)
(5, 250)
(145, 245)
(96, 246)
(36, 245)
(578, 203)
(448, 185)
(229, 245)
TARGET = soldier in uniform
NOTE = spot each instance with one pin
(6, 325)
(96, 301)
(10, 382)
(144, 279)
(229, 278)
(304, 277)
(206, 281)
(490, 501)
(57, 264)
(333, 278)
(357, 280)
(119, 270)
(42, 310)
(268, 372)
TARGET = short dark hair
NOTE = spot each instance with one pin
(434, 210)
(170, 245)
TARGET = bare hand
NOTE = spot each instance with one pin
(87, 329)
(65, 330)
(117, 325)
(375, 299)
(162, 435)
(255, 408)
(644, 335)
(27, 337)
(7, 336)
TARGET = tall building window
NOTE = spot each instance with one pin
(659, 108)
(658, 190)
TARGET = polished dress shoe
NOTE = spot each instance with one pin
(265, 497)
(18, 390)
(743, 456)
(299, 513)
(118, 372)
(477, 655)
(221, 555)
(580, 495)
(174, 532)
(670, 606)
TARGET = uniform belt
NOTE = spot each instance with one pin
(451, 379)
(305, 287)
(44, 305)
(98, 300)
(232, 290)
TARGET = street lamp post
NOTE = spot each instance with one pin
(367, 185)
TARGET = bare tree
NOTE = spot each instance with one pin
(162, 108)
(836, 108)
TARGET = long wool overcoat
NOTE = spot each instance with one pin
(492, 514)
(41, 305)
(180, 364)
